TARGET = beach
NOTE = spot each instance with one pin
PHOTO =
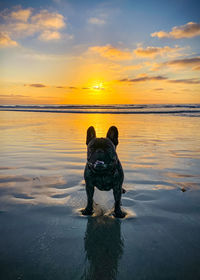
(42, 190)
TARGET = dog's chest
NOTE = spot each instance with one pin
(104, 183)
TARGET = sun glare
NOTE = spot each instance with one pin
(98, 86)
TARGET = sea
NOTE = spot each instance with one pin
(43, 234)
(183, 109)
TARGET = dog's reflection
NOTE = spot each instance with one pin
(104, 247)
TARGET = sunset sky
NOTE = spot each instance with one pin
(99, 52)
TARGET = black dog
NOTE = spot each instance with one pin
(103, 168)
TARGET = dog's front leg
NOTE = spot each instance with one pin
(90, 192)
(117, 192)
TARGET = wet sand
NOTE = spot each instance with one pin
(44, 236)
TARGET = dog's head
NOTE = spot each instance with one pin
(101, 153)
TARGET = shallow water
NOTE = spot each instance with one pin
(43, 235)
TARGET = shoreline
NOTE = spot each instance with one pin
(103, 112)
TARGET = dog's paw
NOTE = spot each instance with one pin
(119, 214)
(87, 211)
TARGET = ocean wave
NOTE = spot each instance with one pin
(109, 109)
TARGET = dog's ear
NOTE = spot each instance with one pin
(112, 134)
(91, 133)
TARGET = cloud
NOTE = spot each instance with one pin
(185, 81)
(20, 29)
(193, 63)
(72, 87)
(110, 52)
(155, 51)
(18, 14)
(44, 19)
(36, 85)
(189, 30)
(131, 67)
(144, 79)
(158, 89)
(12, 95)
(49, 35)
(6, 41)
(96, 21)
(21, 15)
(24, 23)
(113, 53)
(147, 78)
(31, 54)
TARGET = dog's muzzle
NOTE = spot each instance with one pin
(100, 166)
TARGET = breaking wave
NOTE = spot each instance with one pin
(182, 109)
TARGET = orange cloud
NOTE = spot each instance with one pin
(36, 85)
(21, 15)
(22, 23)
(193, 63)
(96, 21)
(6, 41)
(44, 19)
(72, 87)
(12, 95)
(158, 89)
(185, 81)
(131, 67)
(189, 30)
(155, 51)
(110, 52)
(147, 78)
(49, 35)
(144, 79)
(18, 15)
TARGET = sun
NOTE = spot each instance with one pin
(98, 86)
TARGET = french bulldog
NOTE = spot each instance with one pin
(103, 169)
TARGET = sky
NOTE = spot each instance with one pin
(99, 52)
